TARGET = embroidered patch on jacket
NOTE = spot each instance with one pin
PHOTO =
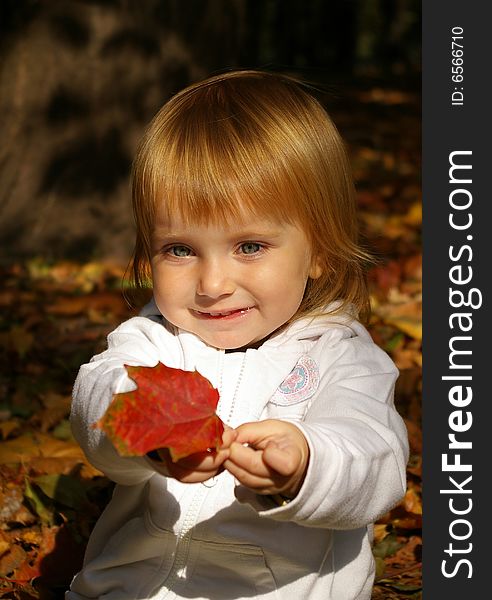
(299, 385)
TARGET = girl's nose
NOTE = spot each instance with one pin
(215, 279)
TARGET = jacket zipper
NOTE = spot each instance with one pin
(184, 539)
(182, 549)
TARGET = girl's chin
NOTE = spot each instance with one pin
(229, 342)
(231, 346)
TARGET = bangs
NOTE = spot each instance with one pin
(202, 194)
(215, 167)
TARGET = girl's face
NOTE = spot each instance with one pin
(233, 285)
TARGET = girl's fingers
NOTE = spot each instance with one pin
(255, 433)
(202, 464)
(249, 460)
(186, 476)
(228, 436)
(262, 485)
(203, 461)
(277, 468)
(197, 467)
(284, 461)
(267, 462)
(248, 467)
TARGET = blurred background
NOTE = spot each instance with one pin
(79, 81)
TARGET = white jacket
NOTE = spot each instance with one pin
(162, 539)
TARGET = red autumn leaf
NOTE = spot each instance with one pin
(170, 408)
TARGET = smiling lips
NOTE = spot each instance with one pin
(225, 314)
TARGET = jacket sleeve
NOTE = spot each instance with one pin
(358, 443)
(132, 344)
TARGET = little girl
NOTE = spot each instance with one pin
(246, 231)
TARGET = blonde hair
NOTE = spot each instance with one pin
(260, 142)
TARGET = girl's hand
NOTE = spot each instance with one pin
(197, 467)
(269, 457)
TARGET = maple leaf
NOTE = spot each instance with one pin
(170, 408)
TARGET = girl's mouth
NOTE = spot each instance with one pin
(223, 314)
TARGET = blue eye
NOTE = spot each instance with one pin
(179, 251)
(250, 248)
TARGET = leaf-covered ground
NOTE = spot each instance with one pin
(55, 315)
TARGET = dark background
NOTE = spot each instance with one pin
(80, 79)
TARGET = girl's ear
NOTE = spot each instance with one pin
(316, 269)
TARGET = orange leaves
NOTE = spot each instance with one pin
(396, 298)
(396, 325)
(51, 317)
(43, 452)
(170, 408)
(40, 528)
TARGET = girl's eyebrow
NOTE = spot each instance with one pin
(256, 233)
(249, 233)
(167, 233)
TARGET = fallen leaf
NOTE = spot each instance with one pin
(45, 454)
(63, 489)
(387, 546)
(170, 408)
(37, 505)
(12, 560)
(63, 431)
(32, 566)
(381, 530)
(380, 567)
(7, 427)
(64, 465)
(56, 407)
(4, 545)
(410, 325)
(406, 316)
(412, 501)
